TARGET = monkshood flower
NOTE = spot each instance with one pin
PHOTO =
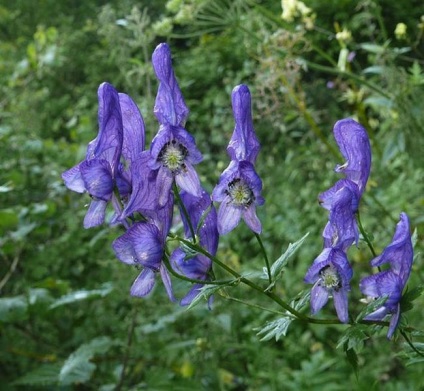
(239, 192)
(331, 274)
(390, 283)
(239, 187)
(97, 173)
(173, 149)
(244, 144)
(133, 142)
(203, 219)
(341, 230)
(354, 144)
(143, 245)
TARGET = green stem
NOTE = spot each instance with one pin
(268, 269)
(365, 235)
(408, 341)
(226, 296)
(183, 210)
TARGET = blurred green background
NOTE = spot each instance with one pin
(67, 321)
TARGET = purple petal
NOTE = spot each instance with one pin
(228, 216)
(146, 242)
(244, 144)
(144, 190)
(354, 145)
(328, 198)
(251, 219)
(108, 143)
(189, 181)
(319, 298)
(399, 253)
(169, 107)
(394, 322)
(164, 184)
(95, 214)
(143, 284)
(191, 295)
(167, 282)
(133, 129)
(341, 305)
(73, 179)
(97, 178)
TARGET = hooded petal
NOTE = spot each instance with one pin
(108, 143)
(354, 145)
(244, 144)
(133, 129)
(143, 284)
(170, 107)
(400, 252)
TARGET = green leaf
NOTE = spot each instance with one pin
(205, 292)
(409, 296)
(45, 375)
(13, 308)
(353, 338)
(78, 368)
(278, 266)
(83, 295)
(352, 358)
(372, 48)
(275, 329)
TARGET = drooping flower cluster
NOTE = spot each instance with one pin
(390, 283)
(141, 183)
(331, 271)
(239, 187)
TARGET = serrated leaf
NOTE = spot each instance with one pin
(353, 338)
(409, 296)
(45, 375)
(352, 358)
(205, 292)
(82, 295)
(275, 329)
(78, 368)
(278, 265)
(371, 307)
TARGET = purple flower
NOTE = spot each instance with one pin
(331, 274)
(133, 142)
(97, 173)
(399, 255)
(173, 150)
(239, 192)
(203, 219)
(143, 245)
(341, 230)
(352, 139)
(239, 188)
(244, 144)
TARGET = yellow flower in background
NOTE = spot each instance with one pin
(400, 31)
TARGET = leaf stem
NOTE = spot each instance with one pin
(265, 257)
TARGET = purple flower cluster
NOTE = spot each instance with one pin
(140, 183)
(331, 271)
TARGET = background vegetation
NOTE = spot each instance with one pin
(66, 318)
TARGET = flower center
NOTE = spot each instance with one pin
(172, 155)
(330, 278)
(240, 193)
